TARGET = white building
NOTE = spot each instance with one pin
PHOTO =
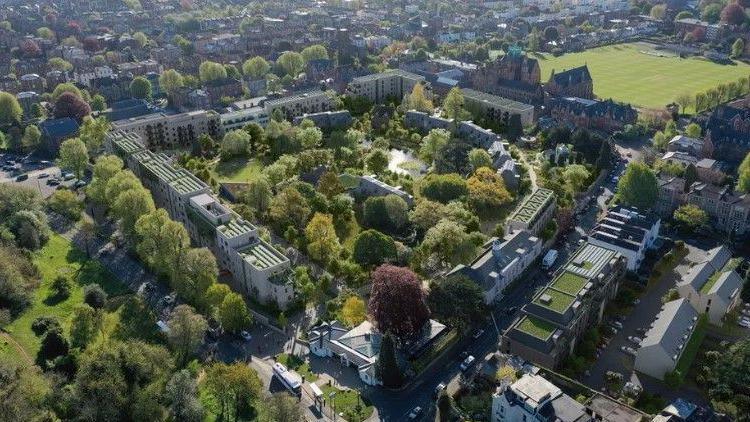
(627, 231)
(667, 339)
(237, 119)
(379, 87)
(533, 398)
(84, 77)
(711, 285)
(534, 212)
(299, 104)
(258, 269)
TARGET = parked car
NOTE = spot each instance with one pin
(478, 333)
(743, 323)
(617, 324)
(42, 175)
(466, 364)
(79, 184)
(641, 331)
(635, 340)
(22, 177)
(439, 389)
(53, 181)
(414, 414)
(628, 350)
(68, 176)
(746, 312)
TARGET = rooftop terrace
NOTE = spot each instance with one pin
(535, 327)
(569, 283)
(532, 205)
(555, 300)
(589, 260)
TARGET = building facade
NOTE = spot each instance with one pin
(167, 132)
(627, 231)
(391, 84)
(300, 104)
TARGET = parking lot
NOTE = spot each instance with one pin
(40, 175)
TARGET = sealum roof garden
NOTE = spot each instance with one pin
(236, 227)
(569, 282)
(589, 260)
(532, 205)
(262, 255)
(555, 300)
(179, 179)
(536, 327)
(127, 142)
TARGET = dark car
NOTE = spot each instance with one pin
(22, 177)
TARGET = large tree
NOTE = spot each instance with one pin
(727, 376)
(197, 272)
(10, 110)
(282, 408)
(386, 367)
(315, 52)
(457, 300)
(258, 194)
(449, 243)
(322, 242)
(373, 248)
(105, 167)
(235, 388)
(182, 393)
(487, 191)
(74, 156)
(162, 242)
(289, 208)
(418, 100)
(129, 206)
(211, 71)
(385, 213)
(140, 88)
(353, 311)
(638, 186)
(71, 105)
(443, 188)
(453, 157)
(432, 144)
(186, 331)
(256, 68)
(171, 81)
(397, 302)
(84, 325)
(291, 63)
(235, 143)
(233, 313)
(32, 136)
(453, 105)
(733, 14)
(690, 217)
(93, 131)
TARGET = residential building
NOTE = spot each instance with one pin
(692, 146)
(666, 340)
(299, 104)
(258, 270)
(495, 108)
(27, 99)
(627, 231)
(379, 87)
(728, 210)
(555, 320)
(605, 115)
(225, 88)
(534, 212)
(533, 398)
(727, 134)
(237, 119)
(32, 82)
(576, 82)
(514, 75)
(171, 131)
(371, 186)
(501, 263)
(327, 119)
(360, 346)
(711, 285)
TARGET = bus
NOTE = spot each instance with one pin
(290, 379)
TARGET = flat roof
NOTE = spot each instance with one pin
(496, 100)
(262, 255)
(554, 300)
(388, 73)
(532, 205)
(569, 282)
(127, 142)
(589, 260)
(179, 179)
(536, 327)
(235, 227)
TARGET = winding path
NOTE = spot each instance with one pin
(18, 347)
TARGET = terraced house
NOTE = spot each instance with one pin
(258, 270)
(552, 324)
(534, 213)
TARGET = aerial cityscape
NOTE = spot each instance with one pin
(375, 210)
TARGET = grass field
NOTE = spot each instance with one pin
(238, 170)
(58, 257)
(624, 73)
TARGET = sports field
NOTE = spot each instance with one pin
(634, 73)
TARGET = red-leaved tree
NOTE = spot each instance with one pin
(397, 302)
(29, 48)
(733, 14)
(71, 105)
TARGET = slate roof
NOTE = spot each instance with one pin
(572, 77)
(58, 128)
(595, 108)
(672, 328)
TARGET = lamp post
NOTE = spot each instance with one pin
(332, 395)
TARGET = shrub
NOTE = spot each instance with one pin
(94, 296)
(43, 324)
(61, 287)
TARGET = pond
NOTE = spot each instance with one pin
(405, 162)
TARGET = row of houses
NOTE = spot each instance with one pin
(257, 268)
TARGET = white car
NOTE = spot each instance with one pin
(628, 350)
(245, 335)
(466, 364)
(635, 340)
(414, 414)
(743, 323)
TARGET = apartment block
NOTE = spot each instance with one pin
(258, 270)
(379, 87)
(552, 324)
(163, 131)
(300, 104)
(534, 213)
(627, 231)
(494, 107)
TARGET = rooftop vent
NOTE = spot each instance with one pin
(545, 299)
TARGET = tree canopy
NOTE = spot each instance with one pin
(397, 302)
(638, 186)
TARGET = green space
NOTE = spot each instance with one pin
(692, 348)
(298, 365)
(559, 301)
(729, 266)
(59, 257)
(347, 402)
(635, 73)
(238, 170)
(569, 283)
(349, 181)
(536, 327)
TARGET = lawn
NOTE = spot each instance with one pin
(346, 402)
(59, 257)
(691, 349)
(559, 301)
(238, 170)
(569, 283)
(297, 365)
(624, 73)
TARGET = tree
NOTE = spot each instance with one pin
(458, 300)
(185, 333)
(322, 242)
(386, 367)
(726, 376)
(233, 313)
(171, 81)
(216, 293)
(141, 39)
(64, 87)
(235, 143)
(487, 190)
(315, 52)
(479, 157)
(684, 100)
(373, 248)
(733, 14)
(551, 33)
(211, 71)
(196, 273)
(98, 103)
(292, 63)
(289, 208)
(70, 105)
(377, 160)
(10, 110)
(690, 217)
(658, 11)
(443, 187)
(140, 88)
(453, 105)
(94, 296)
(693, 130)
(397, 302)
(256, 68)
(418, 100)
(73, 156)
(309, 137)
(30, 229)
(449, 243)
(330, 185)
(738, 48)
(182, 394)
(128, 208)
(453, 157)
(65, 203)
(31, 138)
(282, 408)
(353, 311)
(84, 326)
(61, 287)
(105, 168)
(53, 344)
(235, 387)
(162, 242)
(576, 175)
(93, 131)
(24, 392)
(638, 186)
(743, 175)
(432, 144)
(386, 213)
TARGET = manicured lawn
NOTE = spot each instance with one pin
(346, 401)
(238, 170)
(59, 257)
(569, 283)
(298, 365)
(624, 73)
(536, 327)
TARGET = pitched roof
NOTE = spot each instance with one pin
(573, 76)
(672, 328)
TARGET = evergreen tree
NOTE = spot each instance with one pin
(386, 368)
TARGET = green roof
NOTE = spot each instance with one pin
(532, 205)
(179, 179)
(729, 266)
(236, 228)
(535, 327)
(558, 301)
(569, 283)
(262, 255)
(127, 142)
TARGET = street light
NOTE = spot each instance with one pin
(332, 395)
